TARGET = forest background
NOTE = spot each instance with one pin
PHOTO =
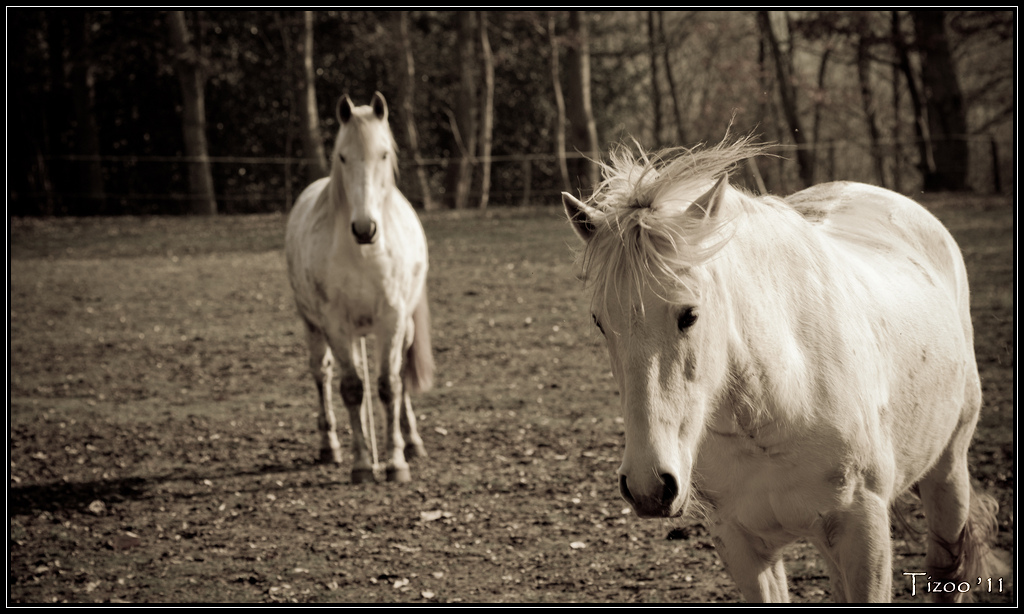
(205, 112)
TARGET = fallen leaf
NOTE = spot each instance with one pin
(433, 515)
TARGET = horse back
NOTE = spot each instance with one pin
(885, 226)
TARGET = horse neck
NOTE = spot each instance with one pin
(768, 282)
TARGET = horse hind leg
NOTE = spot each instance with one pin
(321, 363)
(962, 526)
(417, 375)
(413, 442)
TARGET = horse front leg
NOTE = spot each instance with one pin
(755, 565)
(320, 366)
(392, 396)
(351, 387)
(858, 543)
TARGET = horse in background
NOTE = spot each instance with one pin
(788, 367)
(357, 263)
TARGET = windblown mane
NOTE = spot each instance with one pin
(361, 123)
(642, 236)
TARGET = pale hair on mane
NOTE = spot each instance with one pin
(360, 124)
(642, 236)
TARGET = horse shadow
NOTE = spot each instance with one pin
(59, 496)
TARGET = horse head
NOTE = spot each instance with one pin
(363, 164)
(656, 303)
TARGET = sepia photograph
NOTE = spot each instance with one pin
(389, 308)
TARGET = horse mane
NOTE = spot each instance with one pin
(360, 120)
(642, 234)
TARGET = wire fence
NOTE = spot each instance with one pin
(251, 184)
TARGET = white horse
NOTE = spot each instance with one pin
(357, 261)
(789, 366)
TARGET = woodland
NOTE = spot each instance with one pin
(115, 112)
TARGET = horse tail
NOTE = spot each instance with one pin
(976, 557)
(419, 358)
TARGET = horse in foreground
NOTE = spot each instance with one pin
(787, 367)
(357, 262)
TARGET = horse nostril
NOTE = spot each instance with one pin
(364, 231)
(624, 490)
(670, 491)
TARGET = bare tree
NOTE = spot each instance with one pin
(408, 95)
(464, 119)
(947, 116)
(787, 92)
(926, 161)
(188, 65)
(579, 108)
(309, 116)
(670, 76)
(868, 102)
(305, 103)
(556, 83)
(486, 113)
(655, 85)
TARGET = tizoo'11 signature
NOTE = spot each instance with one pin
(989, 585)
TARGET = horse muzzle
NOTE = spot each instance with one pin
(365, 231)
(658, 500)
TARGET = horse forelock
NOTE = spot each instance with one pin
(363, 127)
(643, 236)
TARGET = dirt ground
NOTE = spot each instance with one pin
(163, 429)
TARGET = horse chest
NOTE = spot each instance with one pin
(360, 297)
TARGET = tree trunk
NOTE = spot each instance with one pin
(556, 82)
(926, 162)
(289, 135)
(947, 116)
(673, 94)
(408, 96)
(822, 74)
(190, 75)
(579, 109)
(486, 113)
(867, 99)
(655, 86)
(460, 173)
(787, 92)
(897, 149)
(309, 115)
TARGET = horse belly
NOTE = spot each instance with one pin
(924, 359)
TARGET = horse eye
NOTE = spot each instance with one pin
(687, 318)
(342, 158)
(384, 156)
(598, 323)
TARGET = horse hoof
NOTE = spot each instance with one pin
(363, 476)
(328, 456)
(399, 475)
(415, 451)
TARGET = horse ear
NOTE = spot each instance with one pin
(581, 216)
(344, 110)
(709, 203)
(380, 106)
